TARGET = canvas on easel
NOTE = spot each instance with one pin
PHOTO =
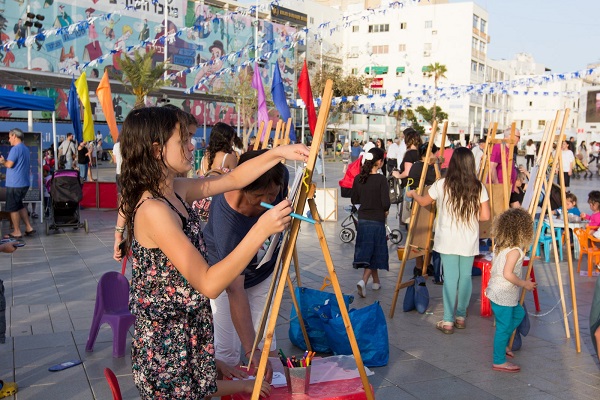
(305, 195)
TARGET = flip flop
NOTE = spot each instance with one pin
(65, 365)
(11, 236)
(8, 389)
(507, 368)
(31, 232)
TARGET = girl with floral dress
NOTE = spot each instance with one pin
(172, 349)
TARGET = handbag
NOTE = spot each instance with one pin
(309, 302)
(370, 330)
(409, 299)
(421, 295)
(406, 207)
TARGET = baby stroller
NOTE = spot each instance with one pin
(65, 195)
(349, 228)
(579, 168)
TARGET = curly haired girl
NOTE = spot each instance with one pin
(219, 153)
(371, 191)
(461, 201)
(512, 231)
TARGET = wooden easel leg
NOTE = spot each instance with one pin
(335, 283)
(296, 266)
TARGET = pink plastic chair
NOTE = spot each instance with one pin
(112, 307)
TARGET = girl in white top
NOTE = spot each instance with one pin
(512, 232)
(461, 201)
(530, 150)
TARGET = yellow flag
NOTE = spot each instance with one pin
(84, 96)
(105, 98)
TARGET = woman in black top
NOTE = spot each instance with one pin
(83, 159)
(370, 190)
(413, 141)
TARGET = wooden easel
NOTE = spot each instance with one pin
(307, 194)
(541, 181)
(417, 233)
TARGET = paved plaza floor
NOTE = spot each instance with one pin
(51, 288)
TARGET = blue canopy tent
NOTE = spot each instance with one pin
(10, 100)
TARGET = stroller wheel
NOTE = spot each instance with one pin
(395, 236)
(347, 235)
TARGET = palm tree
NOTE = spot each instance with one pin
(139, 76)
(438, 71)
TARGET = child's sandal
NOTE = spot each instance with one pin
(446, 327)
(460, 323)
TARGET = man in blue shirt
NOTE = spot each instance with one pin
(237, 311)
(17, 183)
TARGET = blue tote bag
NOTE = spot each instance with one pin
(309, 302)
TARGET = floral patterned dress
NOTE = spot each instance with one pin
(172, 350)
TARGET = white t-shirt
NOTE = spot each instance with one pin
(401, 151)
(392, 151)
(567, 159)
(452, 236)
(478, 154)
(499, 290)
(117, 156)
(530, 150)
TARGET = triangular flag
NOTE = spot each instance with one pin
(263, 113)
(105, 98)
(278, 93)
(306, 95)
(84, 95)
(73, 107)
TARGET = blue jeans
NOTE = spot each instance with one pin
(508, 318)
(83, 171)
(437, 266)
(457, 284)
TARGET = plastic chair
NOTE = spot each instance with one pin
(558, 234)
(112, 307)
(113, 383)
(586, 246)
(546, 240)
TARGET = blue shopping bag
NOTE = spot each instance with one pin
(370, 330)
(309, 302)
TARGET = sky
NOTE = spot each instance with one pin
(562, 35)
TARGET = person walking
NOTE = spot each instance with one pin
(568, 162)
(461, 201)
(512, 232)
(17, 183)
(530, 151)
(83, 159)
(371, 192)
(67, 153)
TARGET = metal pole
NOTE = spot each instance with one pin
(483, 98)
(29, 112)
(166, 57)
(303, 136)
(238, 116)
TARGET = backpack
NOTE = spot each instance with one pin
(348, 180)
(395, 190)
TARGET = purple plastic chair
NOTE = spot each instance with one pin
(112, 307)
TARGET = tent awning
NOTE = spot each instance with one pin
(376, 70)
(425, 68)
(400, 70)
(10, 100)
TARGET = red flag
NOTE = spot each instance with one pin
(307, 97)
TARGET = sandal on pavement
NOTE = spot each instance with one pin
(506, 367)
(31, 232)
(446, 327)
(460, 323)
(8, 389)
(11, 236)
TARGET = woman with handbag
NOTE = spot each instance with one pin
(461, 201)
(370, 190)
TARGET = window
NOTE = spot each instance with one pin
(482, 46)
(428, 24)
(402, 47)
(531, 104)
(379, 28)
(427, 46)
(382, 49)
(475, 21)
(473, 66)
(474, 43)
(354, 49)
(402, 25)
(354, 71)
(355, 28)
(481, 68)
(541, 122)
(400, 71)
(483, 25)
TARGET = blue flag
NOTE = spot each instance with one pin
(280, 101)
(73, 106)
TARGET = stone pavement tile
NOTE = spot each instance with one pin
(416, 370)
(77, 389)
(101, 390)
(101, 358)
(40, 341)
(392, 392)
(34, 376)
(435, 388)
(47, 356)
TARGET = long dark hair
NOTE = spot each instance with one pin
(142, 170)
(365, 171)
(221, 138)
(462, 189)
